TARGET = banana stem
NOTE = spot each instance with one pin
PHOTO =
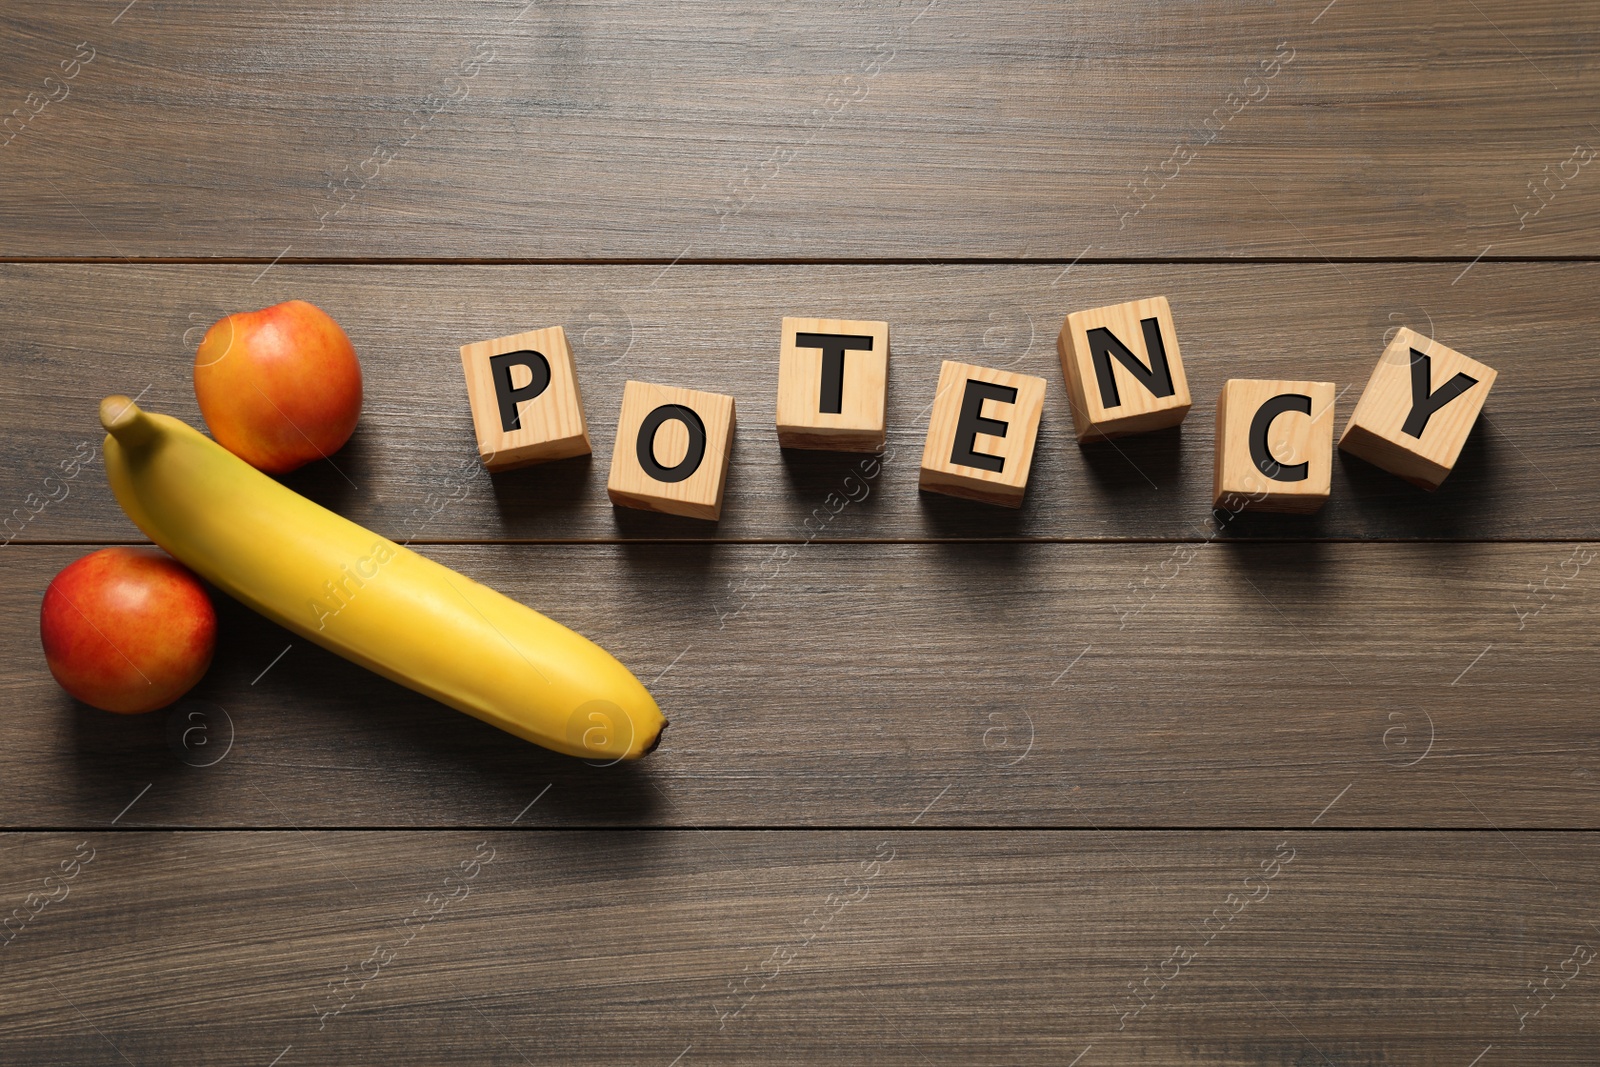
(124, 420)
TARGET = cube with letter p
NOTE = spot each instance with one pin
(526, 407)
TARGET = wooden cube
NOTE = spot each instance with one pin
(832, 384)
(981, 434)
(1417, 410)
(672, 450)
(1124, 373)
(526, 407)
(1274, 446)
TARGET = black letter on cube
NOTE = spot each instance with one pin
(834, 346)
(647, 443)
(1424, 403)
(508, 395)
(1104, 347)
(972, 423)
(1261, 449)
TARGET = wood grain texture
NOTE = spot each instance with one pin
(845, 129)
(654, 948)
(1419, 685)
(73, 334)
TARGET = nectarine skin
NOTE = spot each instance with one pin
(127, 629)
(278, 387)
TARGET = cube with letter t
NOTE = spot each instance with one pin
(1124, 373)
(832, 384)
(1274, 446)
(1417, 410)
(981, 434)
(526, 407)
(672, 450)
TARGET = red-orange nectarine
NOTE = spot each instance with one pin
(278, 387)
(127, 629)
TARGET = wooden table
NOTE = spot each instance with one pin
(1086, 783)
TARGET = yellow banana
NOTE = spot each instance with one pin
(370, 600)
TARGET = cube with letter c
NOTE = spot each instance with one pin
(672, 451)
(981, 434)
(526, 407)
(1274, 446)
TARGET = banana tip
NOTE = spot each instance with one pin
(655, 744)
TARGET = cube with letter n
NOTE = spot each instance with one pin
(981, 434)
(1123, 369)
(526, 407)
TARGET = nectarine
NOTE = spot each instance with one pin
(278, 387)
(127, 629)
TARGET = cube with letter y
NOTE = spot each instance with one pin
(1274, 446)
(832, 384)
(1417, 410)
(1123, 369)
(526, 407)
(981, 434)
(672, 450)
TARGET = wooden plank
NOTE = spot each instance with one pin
(903, 129)
(883, 948)
(1382, 685)
(72, 334)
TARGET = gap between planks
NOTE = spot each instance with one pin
(776, 261)
(761, 828)
(635, 541)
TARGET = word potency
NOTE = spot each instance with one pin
(1124, 375)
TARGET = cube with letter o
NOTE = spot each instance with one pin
(672, 450)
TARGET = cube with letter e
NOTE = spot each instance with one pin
(1418, 408)
(526, 407)
(981, 434)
